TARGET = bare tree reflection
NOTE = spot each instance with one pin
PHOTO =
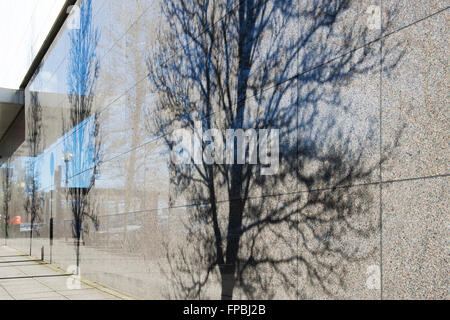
(33, 196)
(6, 195)
(127, 66)
(253, 64)
(84, 142)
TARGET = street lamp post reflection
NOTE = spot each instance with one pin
(66, 157)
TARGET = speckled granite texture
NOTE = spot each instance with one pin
(359, 206)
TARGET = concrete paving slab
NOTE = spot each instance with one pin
(27, 278)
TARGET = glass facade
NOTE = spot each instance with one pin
(344, 148)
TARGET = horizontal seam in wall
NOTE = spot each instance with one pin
(283, 194)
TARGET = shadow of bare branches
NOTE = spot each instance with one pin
(309, 70)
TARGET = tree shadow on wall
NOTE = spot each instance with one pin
(309, 70)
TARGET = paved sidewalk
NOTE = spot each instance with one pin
(25, 278)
